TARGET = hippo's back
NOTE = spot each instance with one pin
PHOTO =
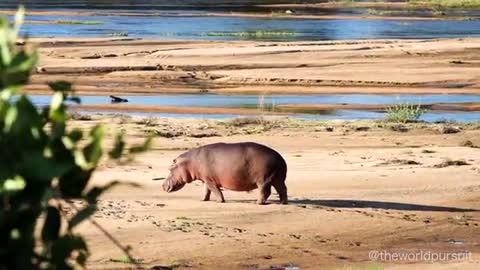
(238, 166)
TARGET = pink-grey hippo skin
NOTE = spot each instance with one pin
(233, 166)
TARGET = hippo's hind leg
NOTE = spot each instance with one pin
(206, 192)
(281, 189)
(265, 190)
(211, 186)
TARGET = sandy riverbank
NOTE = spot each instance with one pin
(354, 187)
(136, 66)
(277, 110)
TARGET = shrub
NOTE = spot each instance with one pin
(43, 162)
(404, 112)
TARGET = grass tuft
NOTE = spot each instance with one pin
(126, 260)
(403, 113)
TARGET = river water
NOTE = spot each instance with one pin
(167, 20)
(228, 28)
(239, 101)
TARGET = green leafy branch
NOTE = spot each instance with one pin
(43, 162)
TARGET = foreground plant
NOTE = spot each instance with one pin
(404, 112)
(43, 161)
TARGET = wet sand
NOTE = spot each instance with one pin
(354, 187)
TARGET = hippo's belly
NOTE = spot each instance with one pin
(237, 184)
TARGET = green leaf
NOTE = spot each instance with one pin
(36, 166)
(80, 160)
(95, 192)
(72, 183)
(76, 135)
(93, 151)
(27, 118)
(5, 42)
(60, 86)
(82, 215)
(63, 248)
(141, 148)
(51, 227)
(17, 183)
(10, 118)
(56, 103)
(68, 143)
(57, 113)
(117, 150)
(23, 63)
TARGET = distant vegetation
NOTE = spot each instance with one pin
(78, 22)
(254, 34)
(447, 3)
(404, 112)
(427, 3)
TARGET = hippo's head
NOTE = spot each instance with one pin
(179, 175)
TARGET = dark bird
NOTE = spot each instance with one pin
(118, 99)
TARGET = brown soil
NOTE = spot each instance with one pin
(354, 187)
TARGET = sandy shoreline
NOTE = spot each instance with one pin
(132, 66)
(284, 109)
(354, 187)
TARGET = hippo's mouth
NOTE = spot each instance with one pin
(167, 186)
(170, 186)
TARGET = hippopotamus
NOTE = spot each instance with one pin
(233, 166)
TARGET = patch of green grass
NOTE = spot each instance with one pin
(402, 113)
(447, 3)
(254, 34)
(78, 22)
(126, 260)
(179, 263)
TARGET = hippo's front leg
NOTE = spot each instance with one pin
(206, 192)
(211, 186)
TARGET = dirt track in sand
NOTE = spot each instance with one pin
(135, 66)
(354, 187)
